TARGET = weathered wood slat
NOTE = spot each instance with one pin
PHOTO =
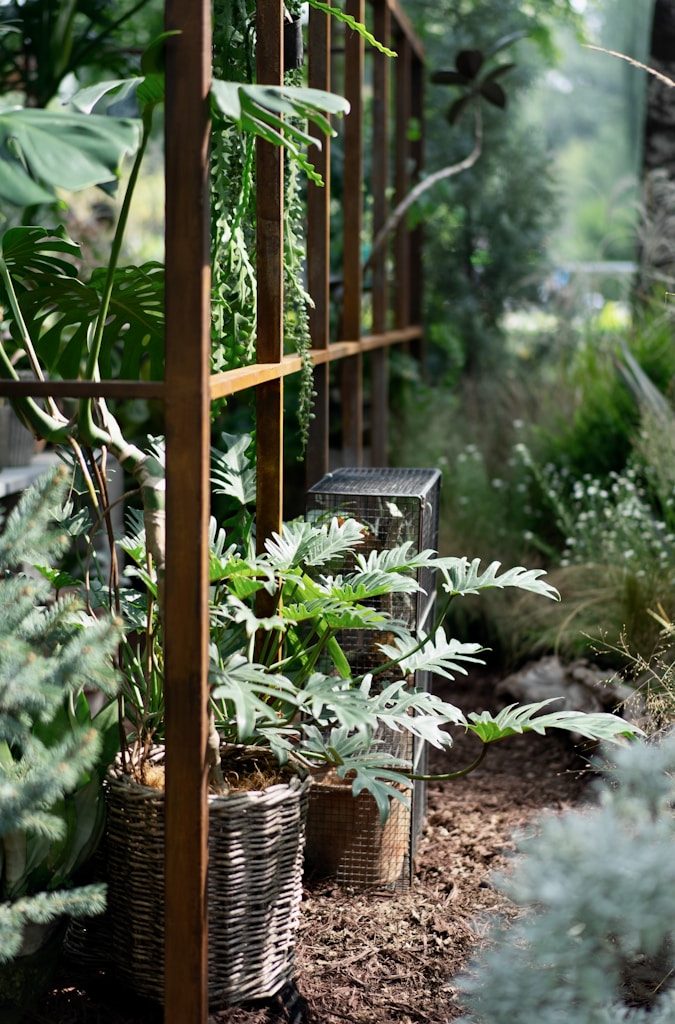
(402, 239)
(416, 266)
(188, 339)
(379, 426)
(83, 388)
(233, 381)
(318, 253)
(352, 205)
(406, 27)
(270, 270)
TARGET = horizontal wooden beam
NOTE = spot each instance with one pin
(227, 383)
(81, 389)
(232, 381)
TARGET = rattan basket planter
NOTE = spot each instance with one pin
(347, 841)
(256, 843)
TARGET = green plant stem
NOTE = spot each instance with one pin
(88, 429)
(449, 776)
(396, 661)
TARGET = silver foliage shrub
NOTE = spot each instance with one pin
(595, 942)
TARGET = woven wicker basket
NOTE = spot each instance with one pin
(256, 842)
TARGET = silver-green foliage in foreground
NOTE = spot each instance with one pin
(52, 753)
(596, 940)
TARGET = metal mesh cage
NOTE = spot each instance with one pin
(345, 837)
(396, 505)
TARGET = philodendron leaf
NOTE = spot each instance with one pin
(517, 719)
(252, 696)
(383, 784)
(464, 577)
(438, 655)
(41, 150)
(301, 543)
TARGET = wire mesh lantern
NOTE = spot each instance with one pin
(345, 838)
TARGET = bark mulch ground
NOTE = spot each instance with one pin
(376, 958)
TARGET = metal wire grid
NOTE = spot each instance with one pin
(345, 838)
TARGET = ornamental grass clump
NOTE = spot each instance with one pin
(595, 939)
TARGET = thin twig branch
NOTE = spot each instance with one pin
(397, 215)
(631, 60)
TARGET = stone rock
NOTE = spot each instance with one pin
(548, 677)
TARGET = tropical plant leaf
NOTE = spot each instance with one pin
(336, 614)
(383, 784)
(440, 655)
(363, 586)
(302, 543)
(464, 577)
(469, 63)
(331, 700)
(260, 110)
(494, 94)
(60, 311)
(356, 26)
(251, 694)
(399, 559)
(233, 470)
(449, 78)
(516, 719)
(41, 150)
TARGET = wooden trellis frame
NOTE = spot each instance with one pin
(188, 388)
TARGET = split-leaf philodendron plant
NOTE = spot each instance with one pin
(284, 680)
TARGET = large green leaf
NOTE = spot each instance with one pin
(41, 150)
(516, 719)
(464, 577)
(59, 308)
(438, 655)
(261, 109)
(301, 543)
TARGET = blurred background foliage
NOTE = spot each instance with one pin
(537, 308)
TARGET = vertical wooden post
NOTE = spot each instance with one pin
(379, 427)
(416, 268)
(403, 113)
(352, 205)
(318, 251)
(188, 341)
(270, 268)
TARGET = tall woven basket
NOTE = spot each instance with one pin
(256, 843)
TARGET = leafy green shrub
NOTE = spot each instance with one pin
(595, 940)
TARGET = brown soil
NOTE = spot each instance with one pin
(244, 771)
(383, 958)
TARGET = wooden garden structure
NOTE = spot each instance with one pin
(188, 387)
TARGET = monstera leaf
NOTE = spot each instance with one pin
(58, 308)
(41, 150)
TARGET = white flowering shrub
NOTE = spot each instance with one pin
(595, 942)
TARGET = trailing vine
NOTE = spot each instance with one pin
(297, 300)
(233, 296)
(234, 282)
